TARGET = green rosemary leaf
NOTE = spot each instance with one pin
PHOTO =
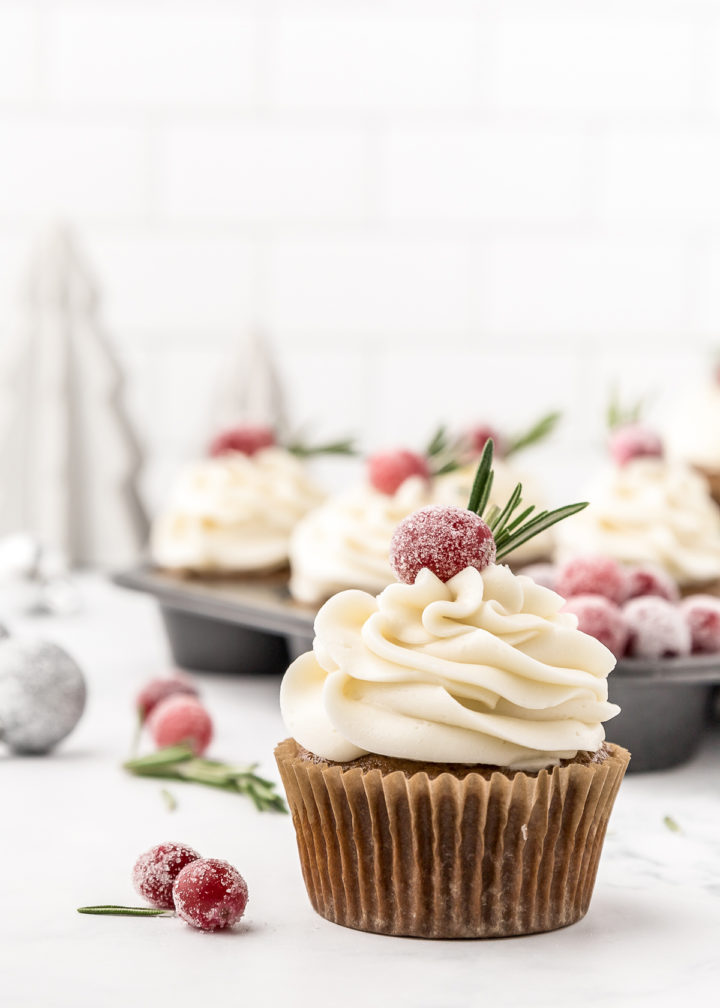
(672, 824)
(482, 483)
(536, 433)
(516, 522)
(346, 446)
(619, 413)
(122, 911)
(507, 512)
(447, 467)
(169, 799)
(492, 515)
(529, 531)
(438, 442)
(166, 757)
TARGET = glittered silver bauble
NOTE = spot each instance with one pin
(42, 695)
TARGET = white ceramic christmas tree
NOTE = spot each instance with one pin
(69, 459)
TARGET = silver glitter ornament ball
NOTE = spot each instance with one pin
(42, 695)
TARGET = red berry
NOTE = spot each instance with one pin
(181, 719)
(246, 439)
(702, 614)
(158, 689)
(388, 471)
(633, 441)
(210, 894)
(155, 872)
(446, 540)
(657, 628)
(601, 619)
(645, 580)
(543, 574)
(591, 575)
(479, 437)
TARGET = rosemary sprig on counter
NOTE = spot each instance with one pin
(178, 763)
(509, 529)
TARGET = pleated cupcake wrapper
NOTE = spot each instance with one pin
(443, 857)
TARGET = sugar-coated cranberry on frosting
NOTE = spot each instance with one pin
(633, 441)
(246, 439)
(446, 540)
(387, 471)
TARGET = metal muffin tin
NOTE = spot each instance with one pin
(252, 625)
(665, 707)
(244, 625)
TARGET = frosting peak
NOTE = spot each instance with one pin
(482, 669)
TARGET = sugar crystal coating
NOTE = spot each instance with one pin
(702, 614)
(159, 689)
(246, 439)
(210, 894)
(387, 471)
(658, 629)
(591, 575)
(633, 441)
(601, 619)
(181, 719)
(155, 872)
(446, 540)
(648, 580)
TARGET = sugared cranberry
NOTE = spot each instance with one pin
(387, 471)
(181, 719)
(543, 574)
(155, 872)
(591, 575)
(210, 894)
(444, 539)
(702, 614)
(479, 436)
(658, 628)
(245, 439)
(633, 441)
(159, 689)
(646, 580)
(601, 619)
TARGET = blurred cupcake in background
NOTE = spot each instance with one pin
(345, 542)
(234, 511)
(645, 508)
(692, 432)
(453, 487)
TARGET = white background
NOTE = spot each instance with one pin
(459, 209)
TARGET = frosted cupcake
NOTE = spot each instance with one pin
(647, 509)
(448, 775)
(234, 512)
(345, 542)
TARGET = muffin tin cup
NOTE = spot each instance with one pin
(665, 706)
(484, 855)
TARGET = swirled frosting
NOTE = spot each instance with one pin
(454, 489)
(345, 542)
(483, 669)
(693, 430)
(649, 510)
(234, 513)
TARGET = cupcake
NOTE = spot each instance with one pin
(647, 509)
(345, 542)
(447, 771)
(234, 511)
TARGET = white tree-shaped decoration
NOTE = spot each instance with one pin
(69, 459)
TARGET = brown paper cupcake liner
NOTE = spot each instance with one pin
(450, 855)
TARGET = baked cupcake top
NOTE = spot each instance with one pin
(234, 512)
(463, 662)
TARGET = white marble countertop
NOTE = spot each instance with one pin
(73, 824)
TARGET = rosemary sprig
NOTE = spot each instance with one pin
(345, 446)
(541, 429)
(619, 413)
(179, 763)
(511, 530)
(444, 453)
(109, 910)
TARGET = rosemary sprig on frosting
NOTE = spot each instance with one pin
(511, 529)
(540, 430)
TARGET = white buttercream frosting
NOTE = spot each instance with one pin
(483, 669)
(454, 489)
(649, 511)
(693, 430)
(346, 542)
(234, 513)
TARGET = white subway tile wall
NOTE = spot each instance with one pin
(437, 209)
